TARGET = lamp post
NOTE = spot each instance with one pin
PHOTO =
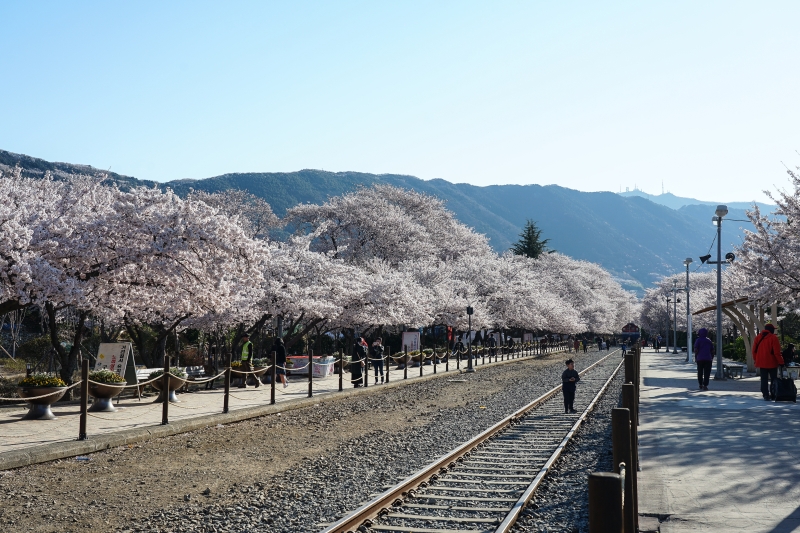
(721, 211)
(687, 262)
(675, 316)
(666, 336)
(469, 340)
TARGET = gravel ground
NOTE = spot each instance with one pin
(562, 502)
(282, 473)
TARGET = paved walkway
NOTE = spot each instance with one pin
(132, 414)
(720, 460)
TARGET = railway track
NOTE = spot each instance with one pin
(484, 484)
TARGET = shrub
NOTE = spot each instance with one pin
(106, 376)
(42, 380)
(35, 349)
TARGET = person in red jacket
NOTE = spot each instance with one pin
(767, 356)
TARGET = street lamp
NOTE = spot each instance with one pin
(469, 339)
(666, 336)
(687, 262)
(721, 211)
(675, 316)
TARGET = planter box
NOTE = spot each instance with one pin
(323, 367)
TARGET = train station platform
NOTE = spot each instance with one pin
(721, 460)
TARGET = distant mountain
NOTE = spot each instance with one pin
(636, 239)
(676, 202)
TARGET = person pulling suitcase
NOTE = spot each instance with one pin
(767, 357)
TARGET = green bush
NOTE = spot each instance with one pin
(735, 351)
(35, 349)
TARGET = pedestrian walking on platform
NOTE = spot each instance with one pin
(376, 354)
(358, 362)
(585, 348)
(577, 345)
(280, 360)
(767, 357)
(624, 349)
(569, 380)
(788, 354)
(491, 343)
(247, 361)
(703, 356)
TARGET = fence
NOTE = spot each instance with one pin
(170, 382)
(613, 497)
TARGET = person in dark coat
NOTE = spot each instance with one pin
(788, 354)
(569, 380)
(376, 356)
(280, 360)
(703, 355)
(358, 362)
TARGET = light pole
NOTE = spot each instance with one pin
(666, 336)
(675, 316)
(687, 262)
(469, 340)
(721, 211)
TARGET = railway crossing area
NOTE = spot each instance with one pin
(716, 460)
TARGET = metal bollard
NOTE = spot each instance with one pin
(165, 392)
(310, 374)
(341, 370)
(621, 438)
(227, 384)
(405, 362)
(386, 362)
(433, 359)
(446, 361)
(421, 361)
(84, 399)
(606, 498)
(274, 373)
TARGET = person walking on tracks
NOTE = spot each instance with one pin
(703, 356)
(569, 380)
(767, 357)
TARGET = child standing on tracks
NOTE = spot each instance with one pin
(569, 379)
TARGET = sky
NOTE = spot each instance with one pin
(700, 96)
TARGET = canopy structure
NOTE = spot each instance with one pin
(748, 319)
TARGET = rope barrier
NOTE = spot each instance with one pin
(262, 370)
(201, 381)
(59, 391)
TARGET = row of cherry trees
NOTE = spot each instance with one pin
(766, 269)
(376, 257)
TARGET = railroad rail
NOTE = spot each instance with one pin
(483, 485)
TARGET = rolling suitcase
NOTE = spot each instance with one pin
(783, 389)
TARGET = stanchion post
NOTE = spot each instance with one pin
(433, 359)
(165, 392)
(341, 370)
(227, 382)
(605, 503)
(405, 361)
(629, 403)
(621, 439)
(310, 374)
(386, 358)
(274, 373)
(84, 399)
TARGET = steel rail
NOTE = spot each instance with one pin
(519, 506)
(380, 504)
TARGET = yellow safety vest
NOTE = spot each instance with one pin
(246, 349)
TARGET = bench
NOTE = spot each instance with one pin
(193, 373)
(733, 371)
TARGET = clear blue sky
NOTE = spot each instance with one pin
(588, 95)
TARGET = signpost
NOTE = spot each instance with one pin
(117, 357)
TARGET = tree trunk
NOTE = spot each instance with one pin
(67, 359)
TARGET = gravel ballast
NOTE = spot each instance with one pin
(281, 473)
(562, 502)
